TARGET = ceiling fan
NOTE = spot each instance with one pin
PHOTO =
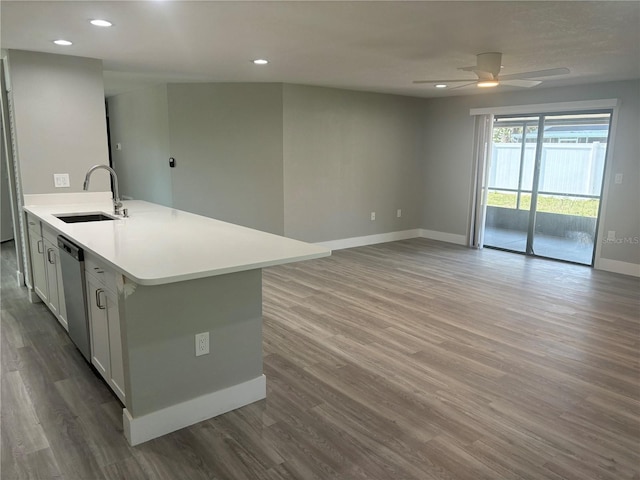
(487, 69)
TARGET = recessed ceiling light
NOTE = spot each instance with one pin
(260, 61)
(65, 43)
(441, 85)
(101, 23)
(488, 83)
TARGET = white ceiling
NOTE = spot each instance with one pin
(361, 45)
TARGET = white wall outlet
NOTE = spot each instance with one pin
(399, 213)
(118, 146)
(618, 178)
(202, 343)
(373, 216)
(61, 180)
(611, 235)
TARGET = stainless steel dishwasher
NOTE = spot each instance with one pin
(75, 296)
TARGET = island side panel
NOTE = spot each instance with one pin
(159, 324)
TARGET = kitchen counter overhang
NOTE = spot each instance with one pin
(157, 245)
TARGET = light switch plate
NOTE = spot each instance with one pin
(61, 180)
(618, 178)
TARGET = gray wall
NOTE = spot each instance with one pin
(347, 154)
(447, 178)
(227, 142)
(313, 162)
(158, 328)
(142, 130)
(60, 122)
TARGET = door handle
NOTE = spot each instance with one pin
(40, 246)
(98, 304)
(49, 258)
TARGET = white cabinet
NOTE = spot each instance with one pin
(38, 265)
(55, 288)
(45, 268)
(53, 301)
(99, 325)
(104, 321)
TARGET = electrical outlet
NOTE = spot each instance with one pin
(399, 213)
(373, 216)
(618, 178)
(118, 146)
(60, 180)
(611, 235)
(202, 343)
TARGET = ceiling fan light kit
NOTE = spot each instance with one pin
(488, 83)
(487, 69)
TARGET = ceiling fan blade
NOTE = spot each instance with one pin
(444, 81)
(537, 74)
(516, 82)
(461, 86)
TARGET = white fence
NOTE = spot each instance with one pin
(565, 168)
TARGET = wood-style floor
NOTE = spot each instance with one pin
(407, 360)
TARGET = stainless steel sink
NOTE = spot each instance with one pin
(84, 217)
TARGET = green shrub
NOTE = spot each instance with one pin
(582, 207)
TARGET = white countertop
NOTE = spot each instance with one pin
(158, 245)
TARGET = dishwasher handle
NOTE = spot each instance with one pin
(70, 248)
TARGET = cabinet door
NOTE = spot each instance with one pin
(116, 378)
(62, 307)
(97, 300)
(38, 267)
(51, 258)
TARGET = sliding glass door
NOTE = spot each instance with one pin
(510, 183)
(544, 184)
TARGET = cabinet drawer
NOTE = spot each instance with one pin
(100, 272)
(51, 235)
(33, 224)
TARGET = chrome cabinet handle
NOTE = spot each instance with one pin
(98, 304)
(49, 252)
(98, 270)
(40, 246)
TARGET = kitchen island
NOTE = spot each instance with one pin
(174, 275)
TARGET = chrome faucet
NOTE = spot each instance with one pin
(117, 204)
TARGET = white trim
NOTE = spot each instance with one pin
(393, 237)
(547, 107)
(444, 237)
(33, 296)
(65, 198)
(369, 239)
(606, 182)
(155, 424)
(21, 279)
(617, 266)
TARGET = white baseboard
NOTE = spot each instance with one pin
(21, 279)
(444, 237)
(370, 239)
(33, 296)
(155, 424)
(617, 266)
(392, 237)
